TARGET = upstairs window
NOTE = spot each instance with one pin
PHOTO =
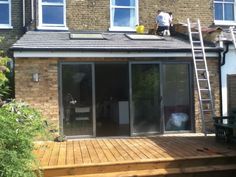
(52, 14)
(5, 14)
(123, 15)
(224, 11)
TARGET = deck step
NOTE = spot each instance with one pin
(213, 170)
(214, 161)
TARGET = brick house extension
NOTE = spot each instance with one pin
(86, 71)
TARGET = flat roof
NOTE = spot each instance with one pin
(61, 41)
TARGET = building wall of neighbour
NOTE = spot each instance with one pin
(12, 35)
(227, 69)
(181, 9)
(44, 94)
(95, 15)
(88, 14)
(28, 16)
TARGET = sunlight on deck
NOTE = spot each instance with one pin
(129, 149)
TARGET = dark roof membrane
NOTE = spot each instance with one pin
(48, 41)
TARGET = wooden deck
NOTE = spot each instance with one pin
(116, 155)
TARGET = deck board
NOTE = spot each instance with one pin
(84, 151)
(114, 150)
(149, 152)
(92, 153)
(62, 154)
(133, 147)
(47, 155)
(77, 153)
(106, 150)
(70, 153)
(132, 155)
(55, 153)
(120, 149)
(126, 150)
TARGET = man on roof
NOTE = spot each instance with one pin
(163, 21)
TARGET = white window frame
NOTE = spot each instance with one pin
(118, 28)
(9, 25)
(42, 26)
(225, 22)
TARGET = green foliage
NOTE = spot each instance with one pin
(145, 82)
(19, 125)
(4, 70)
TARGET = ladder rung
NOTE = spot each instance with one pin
(196, 41)
(206, 100)
(198, 60)
(204, 89)
(197, 47)
(198, 50)
(201, 69)
(206, 110)
(195, 32)
(202, 79)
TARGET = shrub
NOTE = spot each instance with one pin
(19, 124)
(4, 70)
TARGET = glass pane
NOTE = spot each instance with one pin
(229, 11)
(4, 0)
(77, 99)
(123, 2)
(4, 14)
(218, 11)
(176, 97)
(146, 98)
(53, 15)
(53, 1)
(229, 0)
(112, 99)
(124, 17)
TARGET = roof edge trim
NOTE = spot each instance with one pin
(76, 54)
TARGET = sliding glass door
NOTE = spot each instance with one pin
(145, 98)
(77, 99)
(159, 98)
(176, 97)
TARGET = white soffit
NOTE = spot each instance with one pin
(71, 54)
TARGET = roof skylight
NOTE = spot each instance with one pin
(86, 36)
(144, 37)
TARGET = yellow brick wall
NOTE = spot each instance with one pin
(215, 85)
(44, 94)
(95, 15)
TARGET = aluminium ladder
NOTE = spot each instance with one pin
(202, 75)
